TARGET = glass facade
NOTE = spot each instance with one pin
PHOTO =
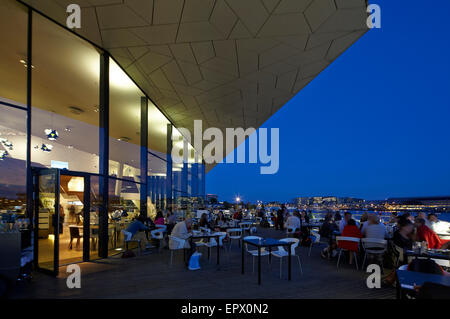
(53, 116)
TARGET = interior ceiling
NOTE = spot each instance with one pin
(230, 63)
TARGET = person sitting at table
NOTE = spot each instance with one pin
(441, 228)
(393, 218)
(182, 230)
(344, 221)
(403, 236)
(204, 221)
(351, 230)
(424, 217)
(171, 220)
(337, 217)
(363, 220)
(220, 220)
(137, 230)
(293, 221)
(326, 231)
(159, 218)
(373, 228)
(424, 233)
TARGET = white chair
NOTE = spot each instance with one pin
(315, 239)
(234, 234)
(162, 227)
(158, 234)
(128, 238)
(175, 243)
(281, 252)
(375, 247)
(213, 243)
(254, 252)
(340, 239)
(245, 226)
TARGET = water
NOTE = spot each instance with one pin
(385, 216)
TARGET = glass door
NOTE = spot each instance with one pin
(76, 234)
(47, 219)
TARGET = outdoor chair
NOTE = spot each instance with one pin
(234, 234)
(175, 243)
(340, 239)
(281, 252)
(374, 247)
(128, 238)
(315, 239)
(158, 234)
(254, 252)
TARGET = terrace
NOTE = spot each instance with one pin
(151, 276)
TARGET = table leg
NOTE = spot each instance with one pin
(242, 270)
(289, 264)
(259, 265)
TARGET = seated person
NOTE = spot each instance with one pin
(182, 230)
(424, 217)
(220, 220)
(204, 221)
(424, 233)
(393, 218)
(159, 218)
(403, 236)
(326, 231)
(363, 221)
(439, 227)
(171, 220)
(373, 228)
(137, 230)
(350, 230)
(343, 222)
(293, 221)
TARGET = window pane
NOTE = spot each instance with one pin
(157, 131)
(13, 55)
(125, 125)
(123, 206)
(13, 141)
(65, 99)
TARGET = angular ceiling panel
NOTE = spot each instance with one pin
(227, 62)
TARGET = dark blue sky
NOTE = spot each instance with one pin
(374, 124)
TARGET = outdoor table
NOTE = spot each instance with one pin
(406, 280)
(433, 253)
(208, 236)
(269, 243)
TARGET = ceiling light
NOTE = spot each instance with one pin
(76, 110)
(52, 135)
(3, 155)
(68, 130)
(46, 147)
(124, 139)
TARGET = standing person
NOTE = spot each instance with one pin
(280, 220)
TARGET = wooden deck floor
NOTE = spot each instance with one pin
(149, 276)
